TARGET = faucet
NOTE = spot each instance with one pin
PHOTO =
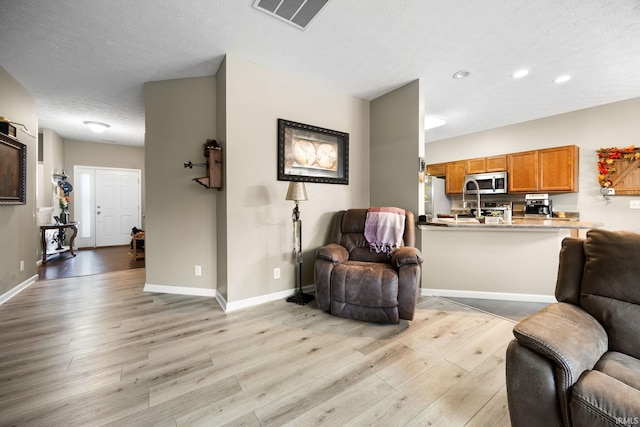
(464, 190)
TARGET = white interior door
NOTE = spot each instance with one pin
(117, 206)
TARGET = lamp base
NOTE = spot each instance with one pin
(301, 298)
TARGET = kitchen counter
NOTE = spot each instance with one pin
(516, 223)
(516, 261)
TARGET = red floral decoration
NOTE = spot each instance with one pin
(606, 158)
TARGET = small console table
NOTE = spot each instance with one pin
(59, 239)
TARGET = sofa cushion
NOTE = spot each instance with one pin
(600, 400)
(365, 284)
(611, 288)
(620, 366)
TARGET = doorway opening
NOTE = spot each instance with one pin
(107, 205)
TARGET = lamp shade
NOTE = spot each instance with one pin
(296, 191)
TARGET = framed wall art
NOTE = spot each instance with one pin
(311, 154)
(13, 171)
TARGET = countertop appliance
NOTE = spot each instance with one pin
(537, 205)
(498, 209)
(489, 183)
(435, 197)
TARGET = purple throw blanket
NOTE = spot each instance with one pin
(384, 228)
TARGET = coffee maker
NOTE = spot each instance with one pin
(537, 205)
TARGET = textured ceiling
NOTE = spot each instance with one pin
(88, 59)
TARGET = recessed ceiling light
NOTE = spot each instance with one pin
(562, 79)
(461, 74)
(431, 121)
(519, 74)
(97, 126)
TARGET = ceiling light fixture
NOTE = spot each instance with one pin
(97, 126)
(562, 79)
(519, 74)
(461, 74)
(431, 121)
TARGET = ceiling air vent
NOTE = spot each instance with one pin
(298, 13)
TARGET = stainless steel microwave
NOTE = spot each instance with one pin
(488, 183)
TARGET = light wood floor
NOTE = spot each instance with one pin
(96, 350)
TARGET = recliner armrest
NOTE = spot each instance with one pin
(567, 335)
(333, 252)
(406, 255)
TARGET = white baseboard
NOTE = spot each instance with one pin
(179, 290)
(503, 296)
(16, 290)
(249, 302)
(226, 306)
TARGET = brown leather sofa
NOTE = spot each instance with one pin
(354, 282)
(577, 362)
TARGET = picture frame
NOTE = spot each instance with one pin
(309, 153)
(13, 171)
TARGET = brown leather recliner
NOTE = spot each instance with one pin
(355, 282)
(577, 362)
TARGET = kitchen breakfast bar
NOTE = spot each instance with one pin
(515, 261)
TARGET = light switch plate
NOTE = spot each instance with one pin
(634, 204)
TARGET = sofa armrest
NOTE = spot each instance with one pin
(570, 338)
(406, 255)
(333, 252)
(567, 335)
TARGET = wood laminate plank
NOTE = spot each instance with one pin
(97, 350)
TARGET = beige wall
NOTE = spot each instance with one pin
(19, 235)
(258, 217)
(608, 125)
(181, 215)
(52, 163)
(221, 205)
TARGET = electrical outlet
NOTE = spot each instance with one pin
(276, 273)
(21, 265)
(198, 270)
(634, 204)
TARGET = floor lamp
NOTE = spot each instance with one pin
(297, 192)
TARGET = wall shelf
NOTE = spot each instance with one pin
(213, 156)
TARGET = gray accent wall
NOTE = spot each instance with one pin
(397, 142)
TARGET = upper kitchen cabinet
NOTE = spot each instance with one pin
(455, 172)
(552, 170)
(496, 163)
(476, 165)
(437, 169)
(487, 164)
(522, 169)
(559, 169)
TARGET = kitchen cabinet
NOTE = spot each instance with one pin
(523, 172)
(476, 165)
(437, 169)
(487, 164)
(558, 169)
(551, 170)
(496, 163)
(455, 172)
